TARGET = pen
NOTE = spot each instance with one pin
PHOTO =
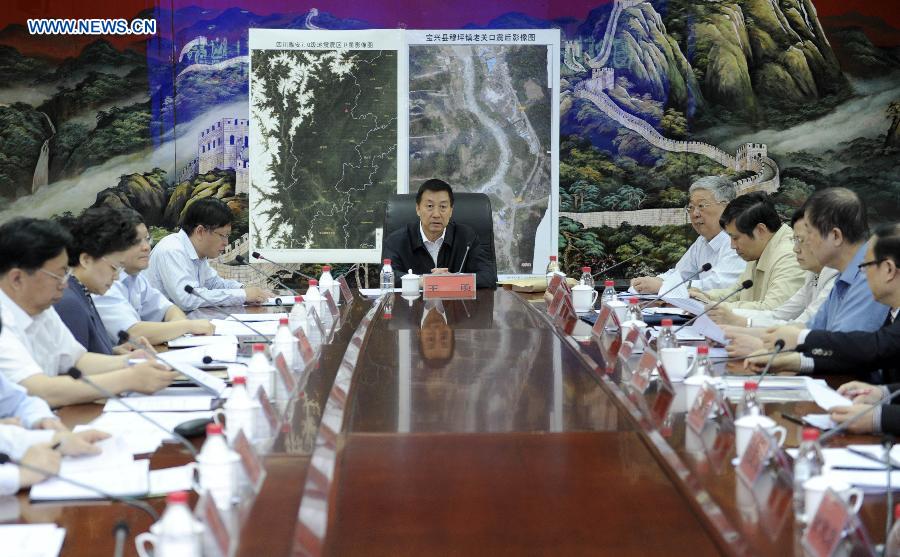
(56, 446)
(873, 458)
(795, 419)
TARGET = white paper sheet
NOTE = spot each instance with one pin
(194, 356)
(821, 421)
(696, 307)
(154, 403)
(167, 480)
(141, 436)
(31, 540)
(842, 458)
(116, 453)
(825, 396)
(256, 317)
(671, 282)
(231, 327)
(868, 480)
(136, 441)
(211, 383)
(188, 341)
(128, 481)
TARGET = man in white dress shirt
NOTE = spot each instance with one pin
(36, 347)
(133, 306)
(708, 197)
(181, 259)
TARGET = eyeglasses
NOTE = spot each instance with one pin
(62, 279)
(865, 264)
(700, 207)
(116, 267)
(798, 241)
(219, 234)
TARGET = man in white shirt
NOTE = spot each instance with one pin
(134, 306)
(36, 348)
(708, 197)
(180, 259)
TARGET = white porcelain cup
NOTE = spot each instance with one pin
(746, 426)
(677, 362)
(583, 298)
(410, 284)
(192, 546)
(693, 386)
(619, 307)
(816, 486)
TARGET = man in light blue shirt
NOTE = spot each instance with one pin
(708, 197)
(132, 305)
(180, 259)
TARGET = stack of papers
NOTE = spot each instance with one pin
(32, 540)
(161, 403)
(140, 436)
(220, 352)
(256, 317)
(187, 341)
(129, 480)
(236, 328)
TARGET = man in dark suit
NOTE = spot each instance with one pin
(434, 244)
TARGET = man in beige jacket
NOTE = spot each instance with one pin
(760, 238)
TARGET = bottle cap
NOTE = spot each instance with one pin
(239, 380)
(632, 300)
(666, 322)
(259, 347)
(585, 269)
(750, 385)
(313, 282)
(609, 283)
(298, 299)
(703, 349)
(177, 497)
(214, 429)
(283, 321)
(810, 434)
(326, 268)
(552, 258)
(386, 262)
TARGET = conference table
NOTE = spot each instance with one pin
(482, 427)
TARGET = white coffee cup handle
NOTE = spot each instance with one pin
(594, 298)
(780, 433)
(856, 493)
(141, 540)
(217, 416)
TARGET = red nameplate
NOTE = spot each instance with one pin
(329, 301)
(346, 293)
(306, 350)
(449, 285)
(287, 378)
(756, 456)
(268, 410)
(640, 377)
(321, 327)
(553, 285)
(253, 467)
(215, 526)
(827, 528)
(555, 303)
(702, 407)
(602, 318)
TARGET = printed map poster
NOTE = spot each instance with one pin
(483, 109)
(323, 141)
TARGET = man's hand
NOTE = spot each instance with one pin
(787, 333)
(861, 393)
(149, 377)
(741, 345)
(698, 294)
(722, 315)
(11, 421)
(40, 456)
(440, 271)
(200, 327)
(50, 423)
(782, 362)
(647, 285)
(256, 295)
(81, 443)
(866, 424)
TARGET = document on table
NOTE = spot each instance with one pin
(188, 341)
(821, 421)
(236, 328)
(211, 383)
(128, 481)
(708, 328)
(115, 454)
(32, 540)
(844, 459)
(696, 307)
(223, 352)
(256, 317)
(680, 291)
(155, 403)
(825, 396)
(167, 480)
(141, 436)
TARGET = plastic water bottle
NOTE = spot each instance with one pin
(177, 530)
(299, 317)
(284, 342)
(240, 410)
(553, 267)
(666, 338)
(633, 311)
(387, 277)
(749, 405)
(609, 292)
(701, 366)
(218, 466)
(809, 463)
(260, 372)
(328, 284)
(587, 279)
(312, 292)
(892, 544)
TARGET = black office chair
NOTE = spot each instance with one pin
(471, 209)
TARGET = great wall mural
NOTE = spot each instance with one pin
(781, 95)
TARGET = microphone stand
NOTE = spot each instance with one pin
(240, 259)
(463, 264)
(744, 286)
(888, 521)
(120, 532)
(611, 267)
(190, 290)
(705, 267)
(779, 346)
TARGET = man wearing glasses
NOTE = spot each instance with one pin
(36, 347)
(132, 305)
(708, 197)
(182, 258)
(436, 245)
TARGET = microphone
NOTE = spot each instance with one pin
(130, 501)
(705, 267)
(120, 532)
(125, 338)
(744, 286)
(461, 265)
(76, 374)
(779, 346)
(191, 290)
(209, 359)
(240, 259)
(611, 267)
(257, 255)
(844, 426)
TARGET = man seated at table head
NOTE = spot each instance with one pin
(36, 347)
(708, 197)
(132, 305)
(759, 237)
(181, 259)
(435, 244)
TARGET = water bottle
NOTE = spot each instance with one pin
(312, 292)
(328, 284)
(609, 292)
(666, 337)
(587, 279)
(701, 366)
(749, 405)
(299, 317)
(284, 342)
(240, 410)
(218, 466)
(553, 268)
(633, 311)
(387, 277)
(809, 463)
(260, 372)
(176, 533)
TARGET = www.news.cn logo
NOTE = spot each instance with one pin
(92, 27)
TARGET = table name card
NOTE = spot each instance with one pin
(556, 303)
(287, 378)
(318, 321)
(329, 302)
(217, 538)
(756, 456)
(346, 293)
(642, 374)
(703, 405)
(268, 410)
(827, 527)
(449, 286)
(306, 350)
(250, 461)
(554, 283)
